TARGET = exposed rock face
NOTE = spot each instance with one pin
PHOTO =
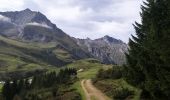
(20, 23)
(107, 49)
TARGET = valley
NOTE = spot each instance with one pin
(97, 55)
(31, 45)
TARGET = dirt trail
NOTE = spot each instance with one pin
(91, 92)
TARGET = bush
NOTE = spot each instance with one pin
(113, 73)
(123, 93)
(117, 72)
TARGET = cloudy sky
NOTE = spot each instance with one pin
(85, 18)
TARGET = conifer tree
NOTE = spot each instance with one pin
(148, 60)
(6, 90)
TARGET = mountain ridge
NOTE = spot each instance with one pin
(106, 49)
(33, 26)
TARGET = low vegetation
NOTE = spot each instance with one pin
(111, 82)
(88, 68)
(1, 85)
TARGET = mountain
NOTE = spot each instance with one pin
(29, 42)
(32, 26)
(107, 49)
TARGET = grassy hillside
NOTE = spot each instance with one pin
(26, 57)
(113, 88)
(88, 68)
(112, 83)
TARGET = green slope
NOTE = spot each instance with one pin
(88, 68)
(16, 56)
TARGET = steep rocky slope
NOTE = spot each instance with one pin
(107, 49)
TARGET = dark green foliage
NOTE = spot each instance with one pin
(122, 94)
(50, 81)
(113, 73)
(6, 90)
(118, 93)
(148, 60)
(12, 88)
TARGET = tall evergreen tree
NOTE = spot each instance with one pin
(148, 60)
(6, 91)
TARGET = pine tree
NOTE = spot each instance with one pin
(14, 86)
(148, 60)
(6, 90)
(20, 86)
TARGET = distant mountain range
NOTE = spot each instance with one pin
(28, 40)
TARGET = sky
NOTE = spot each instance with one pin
(85, 18)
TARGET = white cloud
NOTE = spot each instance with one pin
(85, 18)
(39, 24)
(3, 18)
(11, 4)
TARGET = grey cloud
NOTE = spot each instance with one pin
(86, 18)
(3, 18)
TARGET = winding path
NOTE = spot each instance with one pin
(91, 92)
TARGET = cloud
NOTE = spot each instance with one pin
(11, 5)
(3, 18)
(39, 24)
(86, 18)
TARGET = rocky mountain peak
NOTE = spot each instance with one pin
(110, 39)
(27, 9)
(106, 49)
(22, 18)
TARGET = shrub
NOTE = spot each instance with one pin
(113, 73)
(123, 93)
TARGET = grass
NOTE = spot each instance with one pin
(88, 74)
(10, 64)
(109, 85)
(27, 44)
(136, 91)
(89, 67)
(89, 71)
(93, 98)
(27, 56)
(77, 86)
(62, 54)
(1, 85)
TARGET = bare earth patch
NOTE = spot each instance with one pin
(91, 92)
